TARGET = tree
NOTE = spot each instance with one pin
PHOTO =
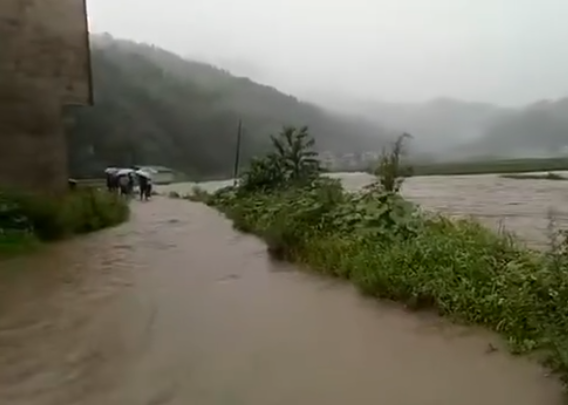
(390, 172)
(292, 161)
(295, 152)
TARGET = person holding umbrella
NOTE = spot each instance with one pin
(111, 179)
(145, 184)
(124, 177)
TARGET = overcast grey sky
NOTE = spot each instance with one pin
(502, 51)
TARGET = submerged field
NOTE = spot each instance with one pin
(492, 166)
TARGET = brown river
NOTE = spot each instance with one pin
(176, 308)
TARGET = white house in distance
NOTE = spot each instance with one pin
(160, 174)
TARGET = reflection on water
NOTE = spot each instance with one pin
(176, 308)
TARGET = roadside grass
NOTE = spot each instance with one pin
(28, 219)
(487, 166)
(533, 176)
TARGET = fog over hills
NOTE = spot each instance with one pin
(155, 107)
(451, 129)
(464, 78)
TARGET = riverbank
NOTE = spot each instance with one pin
(499, 166)
(535, 176)
(493, 166)
(27, 220)
(390, 249)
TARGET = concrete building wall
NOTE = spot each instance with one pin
(44, 64)
(47, 41)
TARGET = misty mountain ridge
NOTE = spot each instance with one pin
(447, 128)
(451, 129)
(155, 107)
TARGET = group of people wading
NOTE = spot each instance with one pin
(123, 181)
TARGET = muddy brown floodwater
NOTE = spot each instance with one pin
(524, 207)
(177, 308)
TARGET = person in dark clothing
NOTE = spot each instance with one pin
(130, 183)
(142, 184)
(148, 192)
(123, 184)
(111, 180)
(145, 184)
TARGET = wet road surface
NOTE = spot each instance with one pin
(177, 308)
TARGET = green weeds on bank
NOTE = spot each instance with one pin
(492, 166)
(27, 219)
(391, 249)
(545, 176)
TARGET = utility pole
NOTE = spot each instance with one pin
(237, 153)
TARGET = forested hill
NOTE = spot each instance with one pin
(539, 129)
(154, 107)
(452, 129)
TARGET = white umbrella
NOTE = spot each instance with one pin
(143, 173)
(123, 172)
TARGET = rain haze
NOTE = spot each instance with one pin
(508, 52)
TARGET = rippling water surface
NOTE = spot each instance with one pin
(177, 308)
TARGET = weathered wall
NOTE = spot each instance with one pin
(47, 41)
(44, 64)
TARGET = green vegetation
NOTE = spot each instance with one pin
(27, 219)
(491, 167)
(154, 107)
(488, 166)
(547, 176)
(391, 249)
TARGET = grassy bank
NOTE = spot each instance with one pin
(26, 220)
(546, 176)
(390, 249)
(492, 166)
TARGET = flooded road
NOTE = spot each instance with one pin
(177, 308)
